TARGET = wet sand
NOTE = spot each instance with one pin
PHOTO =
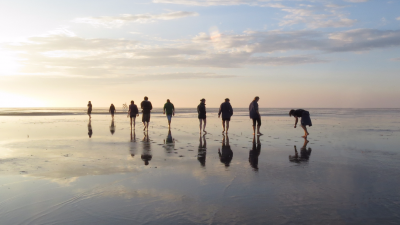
(51, 172)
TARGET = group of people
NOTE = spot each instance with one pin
(225, 111)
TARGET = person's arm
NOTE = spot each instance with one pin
(164, 108)
(151, 106)
(256, 108)
(231, 109)
(173, 110)
(109, 110)
(220, 111)
(295, 123)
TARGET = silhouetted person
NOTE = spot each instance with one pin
(304, 153)
(112, 110)
(305, 119)
(255, 115)
(169, 139)
(89, 110)
(226, 110)
(255, 152)
(132, 148)
(133, 112)
(201, 110)
(202, 151)
(89, 126)
(146, 107)
(169, 110)
(112, 127)
(226, 155)
(146, 154)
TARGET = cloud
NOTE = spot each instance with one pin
(117, 21)
(356, 1)
(209, 2)
(396, 59)
(398, 18)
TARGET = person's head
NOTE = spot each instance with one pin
(146, 98)
(291, 112)
(227, 100)
(256, 98)
(202, 100)
(90, 102)
(112, 104)
(132, 102)
(168, 101)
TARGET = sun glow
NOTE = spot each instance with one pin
(8, 63)
(9, 100)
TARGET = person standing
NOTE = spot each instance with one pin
(89, 110)
(201, 110)
(146, 107)
(112, 110)
(133, 112)
(169, 109)
(305, 119)
(255, 115)
(226, 110)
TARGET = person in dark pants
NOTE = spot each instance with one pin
(169, 109)
(305, 119)
(255, 115)
(226, 155)
(226, 110)
(146, 107)
(201, 110)
(89, 110)
(255, 153)
(112, 110)
(133, 113)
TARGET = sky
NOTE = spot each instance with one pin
(290, 53)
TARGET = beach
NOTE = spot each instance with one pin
(52, 172)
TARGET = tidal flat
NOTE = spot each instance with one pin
(52, 172)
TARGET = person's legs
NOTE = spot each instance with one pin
(254, 125)
(223, 125)
(204, 125)
(131, 122)
(134, 121)
(305, 131)
(200, 121)
(227, 126)
(258, 126)
(169, 117)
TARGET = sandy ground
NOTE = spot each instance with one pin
(51, 172)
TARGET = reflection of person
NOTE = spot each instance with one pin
(112, 110)
(89, 110)
(89, 126)
(255, 115)
(147, 107)
(226, 155)
(305, 119)
(255, 153)
(169, 142)
(132, 113)
(202, 151)
(169, 109)
(201, 110)
(146, 154)
(112, 127)
(304, 153)
(132, 148)
(227, 112)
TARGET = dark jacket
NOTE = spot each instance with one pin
(253, 110)
(226, 110)
(146, 106)
(133, 109)
(201, 110)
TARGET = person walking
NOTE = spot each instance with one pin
(169, 109)
(133, 112)
(226, 110)
(112, 110)
(201, 110)
(305, 119)
(89, 110)
(146, 107)
(255, 115)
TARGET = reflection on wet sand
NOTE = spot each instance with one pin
(146, 154)
(304, 153)
(201, 154)
(90, 131)
(169, 142)
(112, 127)
(132, 146)
(255, 152)
(226, 155)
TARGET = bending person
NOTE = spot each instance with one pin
(169, 109)
(133, 113)
(305, 119)
(201, 110)
(255, 115)
(227, 112)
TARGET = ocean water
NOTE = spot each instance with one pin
(52, 172)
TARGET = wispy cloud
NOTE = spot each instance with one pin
(117, 21)
(209, 2)
(356, 1)
(398, 18)
(396, 59)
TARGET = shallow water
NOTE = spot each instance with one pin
(51, 172)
